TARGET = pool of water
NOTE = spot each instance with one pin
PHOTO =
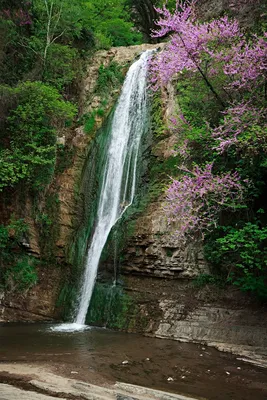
(102, 356)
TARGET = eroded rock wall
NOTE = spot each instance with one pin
(71, 203)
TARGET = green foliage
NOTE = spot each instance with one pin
(111, 306)
(65, 156)
(120, 33)
(4, 236)
(196, 101)
(60, 66)
(22, 275)
(10, 235)
(242, 252)
(66, 299)
(161, 170)
(17, 270)
(110, 21)
(109, 77)
(89, 122)
(46, 219)
(30, 154)
(158, 126)
(102, 41)
(44, 222)
(206, 279)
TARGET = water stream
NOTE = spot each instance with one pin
(119, 174)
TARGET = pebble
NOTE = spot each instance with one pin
(125, 362)
(238, 367)
(200, 355)
(170, 379)
(147, 359)
(228, 373)
(74, 372)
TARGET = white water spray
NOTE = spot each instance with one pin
(119, 177)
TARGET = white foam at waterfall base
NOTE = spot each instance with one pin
(72, 327)
(119, 175)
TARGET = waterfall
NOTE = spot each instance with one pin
(119, 173)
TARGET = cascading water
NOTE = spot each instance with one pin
(119, 175)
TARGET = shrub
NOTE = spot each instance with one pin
(30, 152)
(22, 275)
(109, 77)
(242, 252)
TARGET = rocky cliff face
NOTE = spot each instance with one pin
(70, 207)
(247, 12)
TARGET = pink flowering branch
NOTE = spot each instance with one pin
(195, 201)
(190, 43)
(209, 48)
(247, 64)
(244, 127)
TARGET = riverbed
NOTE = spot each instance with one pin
(102, 357)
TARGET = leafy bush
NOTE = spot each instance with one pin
(121, 33)
(10, 234)
(22, 275)
(59, 68)
(109, 77)
(10, 237)
(242, 252)
(30, 153)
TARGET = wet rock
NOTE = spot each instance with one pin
(8, 392)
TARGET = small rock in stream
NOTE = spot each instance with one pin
(170, 379)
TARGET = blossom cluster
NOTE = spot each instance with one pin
(189, 41)
(246, 63)
(220, 42)
(244, 127)
(198, 197)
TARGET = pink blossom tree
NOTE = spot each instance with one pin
(209, 48)
(212, 49)
(245, 128)
(195, 201)
(192, 45)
